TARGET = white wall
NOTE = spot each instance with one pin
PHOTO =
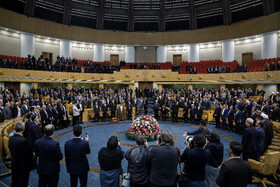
(269, 88)
(2, 85)
(9, 43)
(24, 87)
(177, 50)
(210, 52)
(82, 51)
(114, 50)
(247, 46)
(49, 46)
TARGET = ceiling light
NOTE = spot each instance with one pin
(6, 29)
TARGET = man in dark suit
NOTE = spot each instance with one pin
(113, 108)
(199, 112)
(104, 111)
(129, 110)
(192, 113)
(235, 172)
(230, 118)
(186, 112)
(156, 109)
(76, 159)
(217, 116)
(238, 120)
(49, 154)
(224, 114)
(249, 140)
(96, 111)
(44, 117)
(164, 112)
(22, 156)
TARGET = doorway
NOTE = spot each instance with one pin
(177, 59)
(145, 87)
(49, 56)
(12, 86)
(114, 60)
(247, 58)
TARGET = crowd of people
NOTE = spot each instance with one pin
(61, 65)
(272, 66)
(252, 119)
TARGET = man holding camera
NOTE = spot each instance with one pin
(201, 130)
(164, 160)
(137, 164)
(76, 159)
(195, 160)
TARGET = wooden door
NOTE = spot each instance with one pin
(114, 59)
(145, 85)
(177, 59)
(247, 58)
(49, 56)
(13, 86)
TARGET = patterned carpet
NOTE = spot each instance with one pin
(100, 132)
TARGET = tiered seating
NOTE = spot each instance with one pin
(258, 65)
(204, 64)
(165, 65)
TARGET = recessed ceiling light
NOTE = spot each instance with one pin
(48, 38)
(39, 36)
(6, 29)
(17, 32)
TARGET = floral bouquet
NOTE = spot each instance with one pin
(144, 125)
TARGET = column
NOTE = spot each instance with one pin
(35, 85)
(161, 53)
(269, 45)
(259, 86)
(101, 85)
(27, 45)
(160, 87)
(228, 51)
(70, 86)
(98, 53)
(190, 87)
(65, 48)
(193, 55)
(130, 53)
(222, 87)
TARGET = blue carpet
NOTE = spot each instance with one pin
(100, 132)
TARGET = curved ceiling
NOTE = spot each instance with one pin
(144, 15)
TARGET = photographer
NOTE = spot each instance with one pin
(164, 160)
(195, 160)
(216, 149)
(201, 130)
(137, 164)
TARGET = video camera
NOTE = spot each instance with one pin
(189, 140)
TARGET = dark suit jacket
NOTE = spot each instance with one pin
(75, 155)
(230, 115)
(104, 108)
(235, 172)
(44, 116)
(49, 154)
(249, 140)
(96, 110)
(21, 153)
(34, 133)
(200, 111)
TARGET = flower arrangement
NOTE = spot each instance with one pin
(144, 125)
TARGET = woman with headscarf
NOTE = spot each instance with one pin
(110, 159)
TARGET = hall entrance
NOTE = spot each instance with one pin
(114, 60)
(247, 58)
(49, 56)
(12, 86)
(177, 59)
(146, 87)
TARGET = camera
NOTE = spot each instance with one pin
(189, 139)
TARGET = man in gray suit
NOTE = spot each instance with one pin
(140, 104)
(24, 108)
(7, 113)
